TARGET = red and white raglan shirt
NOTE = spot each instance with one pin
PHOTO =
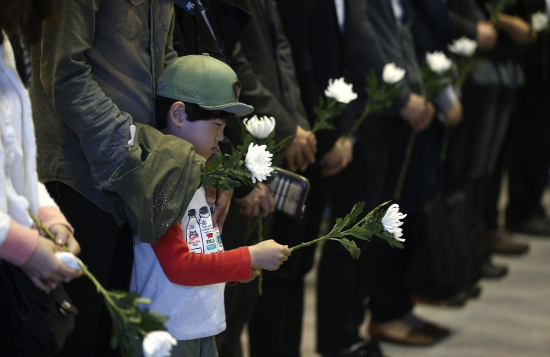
(185, 272)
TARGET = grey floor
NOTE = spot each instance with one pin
(511, 318)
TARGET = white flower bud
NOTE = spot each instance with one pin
(340, 91)
(392, 74)
(463, 47)
(438, 62)
(259, 128)
(258, 162)
(392, 223)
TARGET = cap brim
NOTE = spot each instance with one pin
(239, 109)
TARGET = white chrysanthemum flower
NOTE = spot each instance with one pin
(539, 21)
(258, 162)
(463, 46)
(392, 223)
(340, 90)
(259, 128)
(438, 62)
(158, 344)
(392, 74)
(69, 259)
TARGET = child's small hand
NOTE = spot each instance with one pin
(254, 272)
(268, 254)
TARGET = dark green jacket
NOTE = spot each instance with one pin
(155, 183)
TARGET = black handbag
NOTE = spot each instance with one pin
(445, 262)
(33, 323)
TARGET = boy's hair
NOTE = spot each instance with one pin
(192, 110)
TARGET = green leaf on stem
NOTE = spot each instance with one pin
(351, 247)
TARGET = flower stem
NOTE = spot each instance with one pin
(404, 167)
(359, 121)
(99, 287)
(306, 244)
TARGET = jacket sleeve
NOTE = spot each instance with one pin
(190, 269)
(366, 38)
(254, 93)
(78, 99)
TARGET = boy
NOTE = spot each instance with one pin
(196, 95)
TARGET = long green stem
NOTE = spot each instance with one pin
(99, 287)
(306, 244)
(359, 121)
(405, 167)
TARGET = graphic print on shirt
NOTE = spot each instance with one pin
(202, 236)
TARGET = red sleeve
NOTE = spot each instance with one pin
(185, 268)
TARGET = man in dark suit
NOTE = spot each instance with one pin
(489, 101)
(529, 145)
(373, 174)
(320, 32)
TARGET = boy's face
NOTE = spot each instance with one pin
(204, 135)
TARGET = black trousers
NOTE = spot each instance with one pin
(343, 284)
(529, 157)
(275, 328)
(239, 299)
(490, 110)
(108, 253)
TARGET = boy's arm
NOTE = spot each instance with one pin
(190, 269)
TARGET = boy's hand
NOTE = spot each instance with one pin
(268, 254)
(222, 199)
(259, 200)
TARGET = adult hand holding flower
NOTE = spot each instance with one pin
(130, 320)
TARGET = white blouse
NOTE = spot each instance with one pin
(20, 191)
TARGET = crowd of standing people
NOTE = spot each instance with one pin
(89, 70)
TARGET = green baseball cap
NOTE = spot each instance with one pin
(205, 81)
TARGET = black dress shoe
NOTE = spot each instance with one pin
(474, 291)
(501, 241)
(457, 300)
(427, 327)
(493, 271)
(361, 349)
(537, 225)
